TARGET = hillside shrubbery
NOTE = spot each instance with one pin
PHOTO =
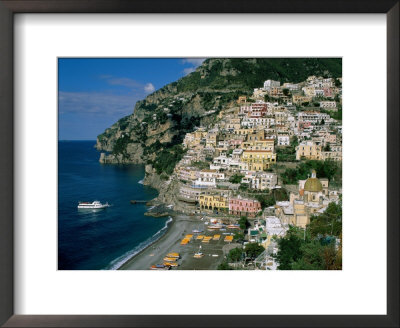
(325, 169)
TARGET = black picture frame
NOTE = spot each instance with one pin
(11, 7)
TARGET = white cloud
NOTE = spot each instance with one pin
(189, 70)
(97, 103)
(124, 81)
(149, 88)
(134, 85)
(194, 61)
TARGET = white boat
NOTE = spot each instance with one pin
(96, 205)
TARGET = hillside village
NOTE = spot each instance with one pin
(260, 160)
(261, 166)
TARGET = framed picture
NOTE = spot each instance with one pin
(186, 149)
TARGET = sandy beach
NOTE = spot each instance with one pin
(170, 242)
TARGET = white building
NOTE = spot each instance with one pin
(283, 140)
(260, 180)
(271, 84)
(328, 104)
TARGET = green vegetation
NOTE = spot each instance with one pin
(327, 223)
(236, 178)
(243, 187)
(266, 200)
(201, 165)
(124, 122)
(337, 115)
(270, 199)
(238, 237)
(224, 266)
(251, 73)
(120, 146)
(313, 248)
(286, 154)
(253, 250)
(325, 169)
(244, 222)
(235, 255)
(166, 159)
(327, 147)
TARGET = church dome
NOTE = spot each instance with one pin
(313, 184)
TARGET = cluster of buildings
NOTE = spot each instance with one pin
(230, 160)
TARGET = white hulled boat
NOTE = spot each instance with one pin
(96, 205)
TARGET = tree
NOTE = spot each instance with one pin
(236, 178)
(253, 250)
(289, 248)
(244, 223)
(312, 257)
(224, 266)
(286, 92)
(235, 255)
(238, 237)
(265, 200)
(328, 223)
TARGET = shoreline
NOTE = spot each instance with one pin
(170, 241)
(132, 258)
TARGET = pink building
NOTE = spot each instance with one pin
(241, 206)
(328, 93)
(258, 110)
(235, 142)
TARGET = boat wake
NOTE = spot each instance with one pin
(120, 261)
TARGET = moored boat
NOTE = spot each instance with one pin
(94, 205)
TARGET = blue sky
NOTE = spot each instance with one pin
(93, 93)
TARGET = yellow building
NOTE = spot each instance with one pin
(243, 132)
(258, 160)
(256, 135)
(299, 99)
(263, 144)
(242, 100)
(308, 150)
(300, 215)
(213, 202)
(211, 139)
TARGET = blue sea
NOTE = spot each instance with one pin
(105, 239)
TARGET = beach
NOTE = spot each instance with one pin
(171, 242)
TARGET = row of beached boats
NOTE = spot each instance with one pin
(170, 261)
(222, 227)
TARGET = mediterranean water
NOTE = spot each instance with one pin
(101, 239)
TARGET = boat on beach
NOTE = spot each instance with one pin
(214, 227)
(174, 255)
(160, 267)
(94, 205)
(170, 259)
(198, 255)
